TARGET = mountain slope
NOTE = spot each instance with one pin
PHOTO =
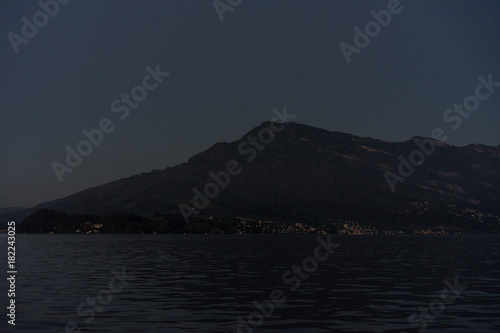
(313, 174)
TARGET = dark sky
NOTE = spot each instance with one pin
(226, 77)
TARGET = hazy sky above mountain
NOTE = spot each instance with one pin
(225, 77)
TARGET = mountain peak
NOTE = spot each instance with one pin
(300, 172)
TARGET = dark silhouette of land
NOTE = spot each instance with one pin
(302, 175)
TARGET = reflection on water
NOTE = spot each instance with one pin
(203, 283)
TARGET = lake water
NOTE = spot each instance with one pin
(209, 283)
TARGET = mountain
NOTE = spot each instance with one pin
(303, 173)
(12, 214)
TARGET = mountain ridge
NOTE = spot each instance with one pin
(310, 173)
